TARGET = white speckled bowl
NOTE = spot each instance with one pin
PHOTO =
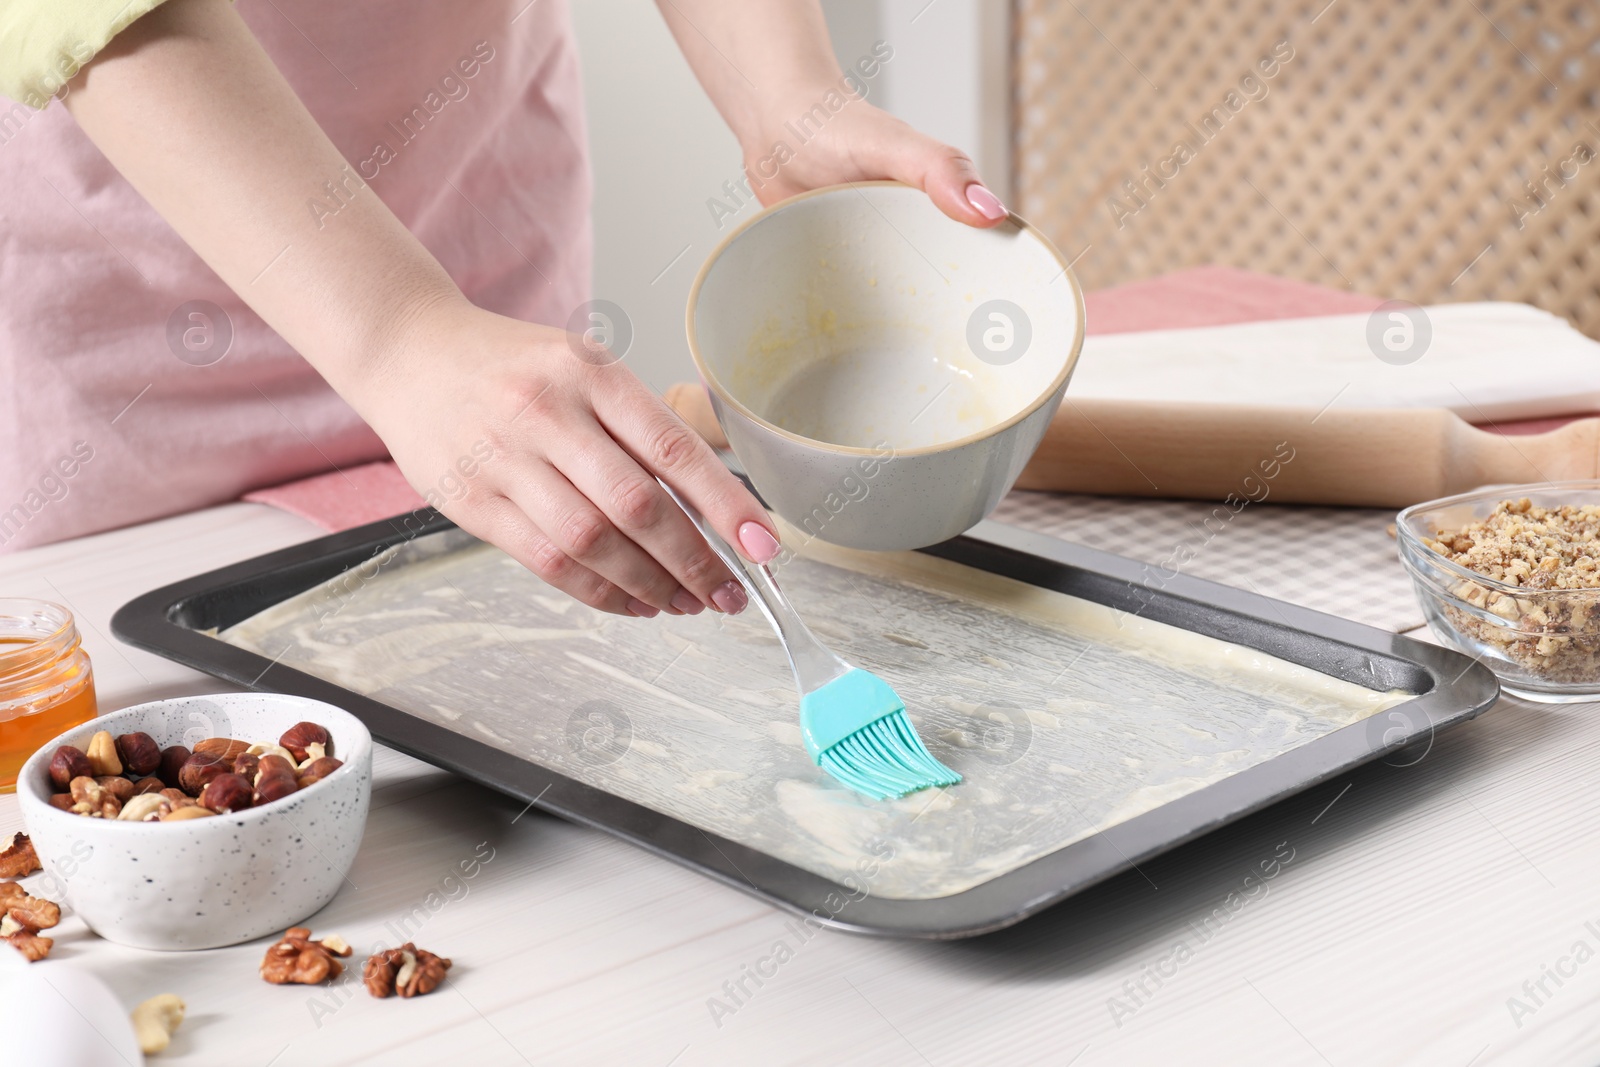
(204, 883)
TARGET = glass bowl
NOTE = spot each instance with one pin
(1543, 644)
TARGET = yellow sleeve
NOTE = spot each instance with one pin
(43, 43)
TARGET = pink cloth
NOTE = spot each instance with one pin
(343, 500)
(1214, 296)
(101, 425)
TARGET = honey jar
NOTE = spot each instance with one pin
(46, 683)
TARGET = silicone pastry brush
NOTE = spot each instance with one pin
(853, 723)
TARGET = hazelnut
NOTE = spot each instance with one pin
(274, 787)
(139, 753)
(173, 758)
(69, 763)
(273, 765)
(116, 785)
(319, 769)
(275, 780)
(198, 771)
(245, 766)
(102, 753)
(148, 784)
(301, 734)
(61, 800)
(225, 748)
(225, 793)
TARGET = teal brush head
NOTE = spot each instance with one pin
(853, 723)
(855, 728)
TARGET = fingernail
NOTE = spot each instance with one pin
(988, 205)
(641, 609)
(687, 602)
(729, 598)
(758, 544)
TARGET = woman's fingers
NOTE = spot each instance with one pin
(952, 183)
(571, 492)
(654, 435)
(637, 505)
(946, 174)
(576, 525)
(502, 523)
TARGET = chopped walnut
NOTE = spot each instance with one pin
(91, 798)
(1552, 555)
(1523, 544)
(298, 959)
(22, 917)
(30, 944)
(407, 970)
(32, 912)
(17, 857)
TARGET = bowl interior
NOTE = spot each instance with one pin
(862, 316)
(255, 717)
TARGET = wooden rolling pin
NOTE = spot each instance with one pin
(1374, 457)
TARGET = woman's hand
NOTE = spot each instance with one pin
(861, 143)
(770, 69)
(546, 447)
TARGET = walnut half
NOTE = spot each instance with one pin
(17, 857)
(407, 970)
(22, 917)
(29, 911)
(298, 959)
(30, 944)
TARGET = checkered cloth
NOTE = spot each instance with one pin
(1338, 560)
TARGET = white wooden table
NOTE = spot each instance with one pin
(1416, 901)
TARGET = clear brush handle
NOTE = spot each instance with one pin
(813, 662)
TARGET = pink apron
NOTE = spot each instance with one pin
(114, 405)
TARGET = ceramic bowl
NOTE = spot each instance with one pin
(204, 883)
(882, 371)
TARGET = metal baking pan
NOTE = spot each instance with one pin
(172, 622)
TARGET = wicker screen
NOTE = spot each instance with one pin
(1428, 150)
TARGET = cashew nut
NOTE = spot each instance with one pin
(103, 754)
(270, 750)
(155, 1020)
(141, 807)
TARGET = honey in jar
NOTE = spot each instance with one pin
(46, 684)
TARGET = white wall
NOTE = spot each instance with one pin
(660, 150)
